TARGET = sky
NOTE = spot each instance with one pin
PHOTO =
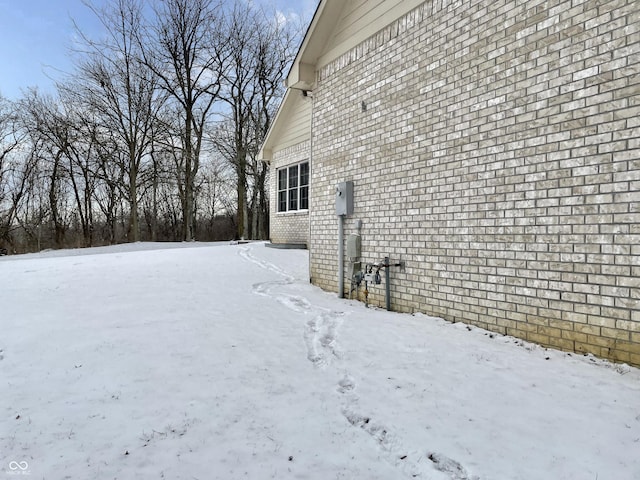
(36, 37)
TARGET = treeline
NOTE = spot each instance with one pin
(154, 135)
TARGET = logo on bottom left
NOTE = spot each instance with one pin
(18, 468)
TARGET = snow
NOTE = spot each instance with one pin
(223, 362)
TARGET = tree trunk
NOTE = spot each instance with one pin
(187, 201)
(53, 205)
(254, 215)
(243, 220)
(134, 219)
(154, 204)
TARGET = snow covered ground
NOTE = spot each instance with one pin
(154, 361)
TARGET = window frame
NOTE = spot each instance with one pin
(292, 188)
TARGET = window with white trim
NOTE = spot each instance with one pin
(293, 187)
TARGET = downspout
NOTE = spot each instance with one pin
(387, 286)
(341, 256)
(310, 186)
(308, 95)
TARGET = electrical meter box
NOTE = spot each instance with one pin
(344, 198)
(353, 246)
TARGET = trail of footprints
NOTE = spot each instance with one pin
(320, 337)
(320, 330)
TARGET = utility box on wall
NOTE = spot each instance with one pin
(344, 198)
(353, 246)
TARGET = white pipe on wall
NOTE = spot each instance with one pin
(340, 256)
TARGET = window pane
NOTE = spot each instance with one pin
(304, 198)
(282, 201)
(293, 199)
(304, 173)
(282, 179)
(293, 176)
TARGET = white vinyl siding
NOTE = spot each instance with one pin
(298, 124)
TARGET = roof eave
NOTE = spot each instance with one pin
(302, 75)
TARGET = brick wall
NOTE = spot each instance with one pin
(495, 148)
(287, 227)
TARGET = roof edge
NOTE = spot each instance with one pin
(302, 75)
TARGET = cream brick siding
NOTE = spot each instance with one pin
(287, 227)
(495, 148)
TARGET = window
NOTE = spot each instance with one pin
(293, 187)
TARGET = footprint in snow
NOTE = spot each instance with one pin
(347, 384)
(320, 332)
(263, 288)
(410, 463)
(320, 337)
(450, 466)
(246, 254)
(295, 303)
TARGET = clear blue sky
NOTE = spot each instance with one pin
(36, 35)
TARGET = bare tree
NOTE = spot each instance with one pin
(186, 56)
(108, 192)
(70, 136)
(215, 190)
(260, 51)
(113, 80)
(9, 141)
(130, 146)
(29, 202)
(36, 112)
(9, 136)
(18, 178)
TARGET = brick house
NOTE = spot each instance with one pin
(494, 150)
